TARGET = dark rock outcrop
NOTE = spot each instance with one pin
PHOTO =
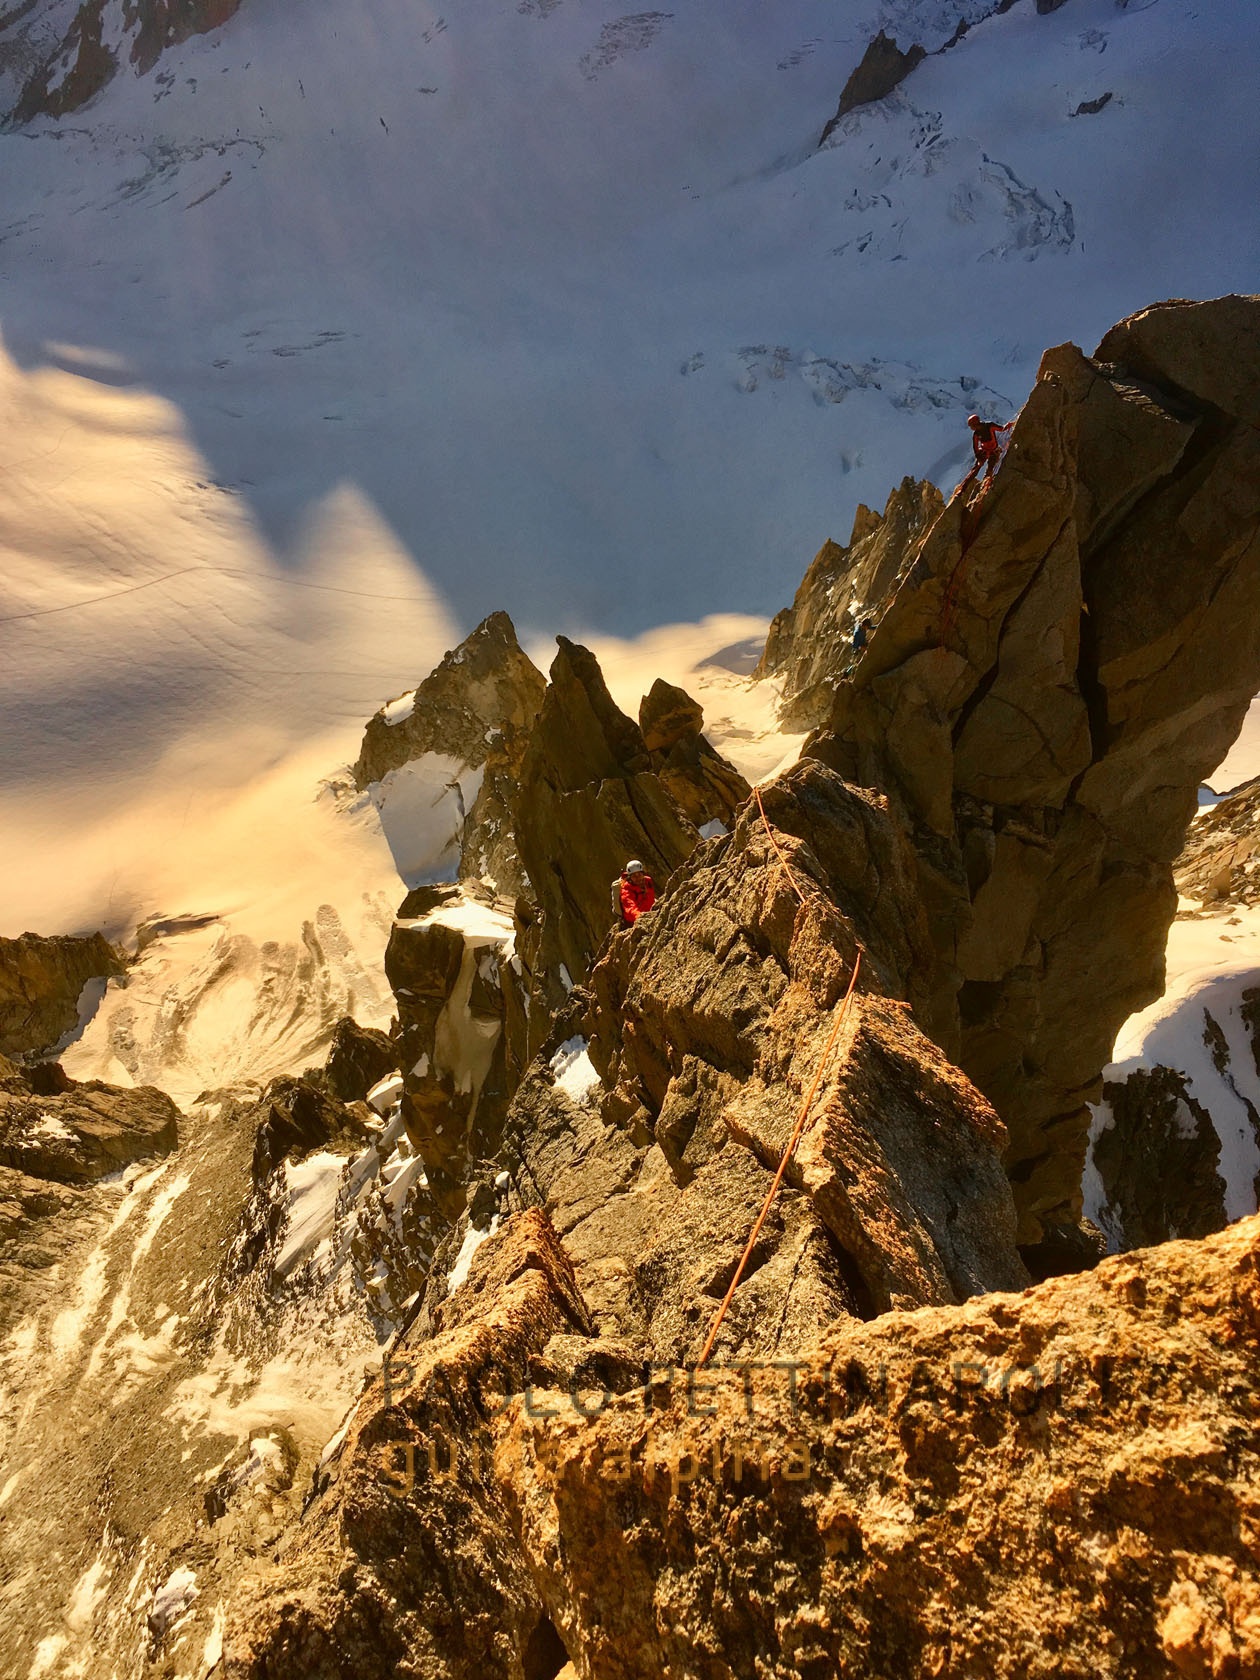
(80, 1132)
(485, 684)
(884, 66)
(589, 799)
(810, 644)
(72, 68)
(40, 983)
(1158, 1160)
(358, 1058)
(294, 1117)
(448, 968)
(1220, 861)
(477, 709)
(1061, 666)
(698, 779)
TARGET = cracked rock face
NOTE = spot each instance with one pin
(1060, 666)
(709, 1025)
(40, 983)
(1059, 1483)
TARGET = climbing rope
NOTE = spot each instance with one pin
(795, 1138)
(787, 870)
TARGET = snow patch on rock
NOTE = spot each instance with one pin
(574, 1072)
(312, 1187)
(172, 1600)
(422, 807)
(473, 1239)
(399, 710)
(1212, 961)
(386, 1093)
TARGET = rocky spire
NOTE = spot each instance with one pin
(1058, 669)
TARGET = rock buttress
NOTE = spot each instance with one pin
(590, 798)
(1057, 1485)
(1054, 1486)
(405, 1562)
(708, 1024)
(40, 983)
(473, 712)
(1062, 664)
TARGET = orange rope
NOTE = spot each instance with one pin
(782, 858)
(795, 1138)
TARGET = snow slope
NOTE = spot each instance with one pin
(338, 330)
(544, 307)
(1242, 762)
(1212, 961)
(349, 324)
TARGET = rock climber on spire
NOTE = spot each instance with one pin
(986, 442)
(633, 893)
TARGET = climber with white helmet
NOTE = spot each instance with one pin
(633, 892)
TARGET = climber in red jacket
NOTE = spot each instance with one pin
(986, 442)
(637, 893)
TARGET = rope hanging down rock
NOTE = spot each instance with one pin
(787, 869)
(795, 1138)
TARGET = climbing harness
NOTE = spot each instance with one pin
(795, 1138)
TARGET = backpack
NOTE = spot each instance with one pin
(618, 914)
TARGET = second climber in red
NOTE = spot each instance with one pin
(986, 442)
(637, 892)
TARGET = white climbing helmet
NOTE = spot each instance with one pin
(634, 867)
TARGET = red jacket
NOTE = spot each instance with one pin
(986, 442)
(636, 899)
